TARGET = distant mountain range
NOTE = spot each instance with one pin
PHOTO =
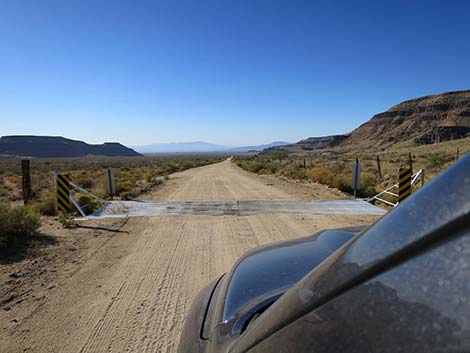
(201, 147)
(57, 146)
(180, 147)
(425, 120)
(259, 147)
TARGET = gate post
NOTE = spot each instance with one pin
(404, 184)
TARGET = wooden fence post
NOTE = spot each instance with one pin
(111, 186)
(410, 161)
(26, 180)
(379, 169)
(458, 152)
(356, 177)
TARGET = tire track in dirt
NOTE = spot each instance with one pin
(134, 293)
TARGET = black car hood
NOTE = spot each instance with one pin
(264, 274)
(424, 218)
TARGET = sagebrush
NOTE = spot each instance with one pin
(17, 223)
(133, 176)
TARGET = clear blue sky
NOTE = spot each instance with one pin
(229, 72)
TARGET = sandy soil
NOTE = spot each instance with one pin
(126, 285)
(226, 181)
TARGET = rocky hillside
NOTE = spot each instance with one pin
(56, 146)
(424, 120)
(312, 143)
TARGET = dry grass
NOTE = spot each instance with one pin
(133, 175)
(334, 168)
(16, 223)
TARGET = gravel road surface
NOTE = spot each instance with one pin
(130, 289)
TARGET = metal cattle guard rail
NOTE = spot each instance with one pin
(379, 197)
(80, 189)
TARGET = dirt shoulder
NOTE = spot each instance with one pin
(226, 181)
(30, 274)
(126, 285)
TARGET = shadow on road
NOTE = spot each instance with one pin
(25, 247)
(104, 229)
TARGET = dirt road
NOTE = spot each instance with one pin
(130, 290)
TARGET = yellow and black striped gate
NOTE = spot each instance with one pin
(404, 183)
(63, 192)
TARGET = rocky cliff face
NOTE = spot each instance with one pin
(56, 146)
(424, 120)
(312, 143)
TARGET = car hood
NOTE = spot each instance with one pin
(423, 218)
(262, 275)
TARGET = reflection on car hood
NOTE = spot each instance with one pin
(422, 218)
(279, 266)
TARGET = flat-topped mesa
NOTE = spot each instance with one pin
(57, 146)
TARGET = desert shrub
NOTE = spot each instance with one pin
(270, 167)
(132, 175)
(4, 192)
(265, 166)
(172, 167)
(295, 171)
(149, 177)
(368, 179)
(253, 166)
(368, 191)
(67, 222)
(46, 205)
(88, 204)
(279, 154)
(264, 171)
(84, 182)
(342, 182)
(17, 222)
(123, 186)
(435, 161)
(125, 195)
(321, 175)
